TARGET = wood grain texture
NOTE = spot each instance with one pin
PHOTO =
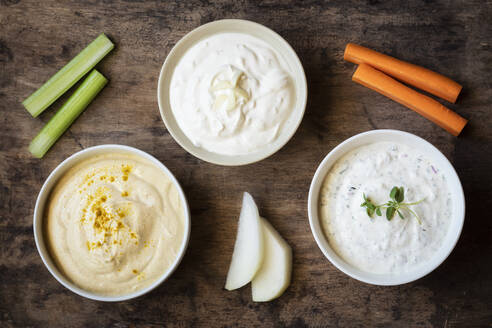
(450, 37)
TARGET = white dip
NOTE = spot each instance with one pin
(231, 94)
(375, 244)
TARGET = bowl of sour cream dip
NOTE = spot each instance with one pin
(386, 207)
(111, 223)
(232, 92)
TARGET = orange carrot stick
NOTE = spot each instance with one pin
(419, 77)
(425, 106)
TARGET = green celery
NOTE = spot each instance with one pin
(67, 114)
(65, 78)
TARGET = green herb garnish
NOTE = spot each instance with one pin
(395, 205)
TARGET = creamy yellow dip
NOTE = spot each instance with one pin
(114, 224)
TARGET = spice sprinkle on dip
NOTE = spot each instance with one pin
(114, 224)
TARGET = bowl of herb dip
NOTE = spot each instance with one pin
(386, 207)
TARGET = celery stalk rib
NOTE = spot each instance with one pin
(67, 114)
(65, 78)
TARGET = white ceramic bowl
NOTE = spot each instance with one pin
(228, 26)
(458, 210)
(43, 197)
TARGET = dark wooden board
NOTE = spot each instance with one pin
(451, 37)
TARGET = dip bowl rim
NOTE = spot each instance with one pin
(43, 197)
(232, 26)
(457, 217)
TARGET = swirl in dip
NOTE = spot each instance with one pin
(114, 224)
(375, 244)
(231, 94)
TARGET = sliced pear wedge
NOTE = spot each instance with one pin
(273, 278)
(248, 249)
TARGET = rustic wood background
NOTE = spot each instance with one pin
(452, 37)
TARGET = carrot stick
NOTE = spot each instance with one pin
(425, 106)
(419, 77)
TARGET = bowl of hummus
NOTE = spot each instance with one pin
(111, 223)
(386, 207)
(232, 92)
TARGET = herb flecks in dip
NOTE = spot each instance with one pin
(376, 244)
(232, 93)
(114, 224)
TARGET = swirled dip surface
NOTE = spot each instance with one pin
(231, 94)
(114, 224)
(376, 244)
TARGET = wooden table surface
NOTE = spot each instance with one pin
(451, 37)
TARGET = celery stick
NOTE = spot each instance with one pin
(65, 116)
(65, 78)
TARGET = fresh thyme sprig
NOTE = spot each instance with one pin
(394, 205)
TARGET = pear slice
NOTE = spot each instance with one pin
(248, 249)
(273, 278)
